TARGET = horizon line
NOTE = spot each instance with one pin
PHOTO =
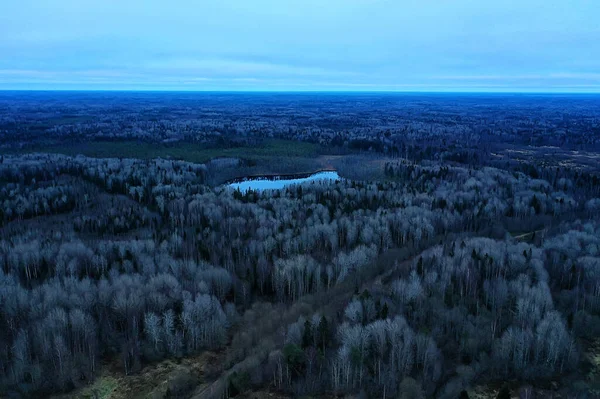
(266, 91)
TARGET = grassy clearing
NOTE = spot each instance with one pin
(357, 166)
(152, 381)
(183, 151)
(103, 387)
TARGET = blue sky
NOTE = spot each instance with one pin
(355, 45)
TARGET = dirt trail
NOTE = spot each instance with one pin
(152, 381)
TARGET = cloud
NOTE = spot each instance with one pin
(465, 44)
(529, 77)
(239, 69)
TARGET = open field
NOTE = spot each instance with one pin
(190, 152)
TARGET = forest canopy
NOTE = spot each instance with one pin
(438, 265)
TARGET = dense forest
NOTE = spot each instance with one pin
(459, 252)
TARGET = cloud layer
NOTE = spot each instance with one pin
(414, 45)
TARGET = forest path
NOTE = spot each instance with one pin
(530, 234)
(262, 331)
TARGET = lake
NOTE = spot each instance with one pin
(277, 182)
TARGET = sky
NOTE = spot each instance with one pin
(301, 45)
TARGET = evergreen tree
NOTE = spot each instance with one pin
(384, 311)
(420, 270)
(323, 332)
(307, 337)
(504, 392)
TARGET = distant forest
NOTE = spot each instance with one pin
(458, 257)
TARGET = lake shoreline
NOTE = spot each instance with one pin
(277, 176)
(277, 182)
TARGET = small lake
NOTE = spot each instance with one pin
(277, 182)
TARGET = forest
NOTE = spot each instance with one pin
(458, 256)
